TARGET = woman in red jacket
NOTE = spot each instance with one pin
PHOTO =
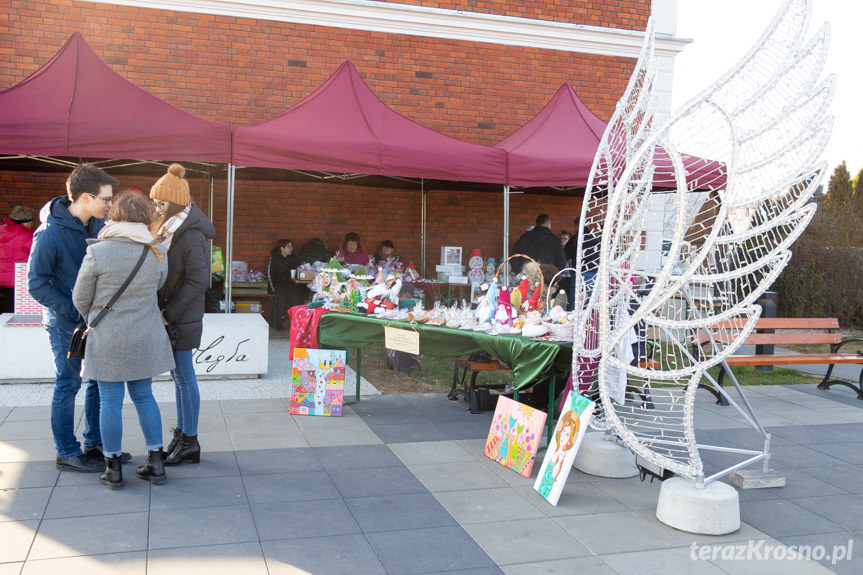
(16, 237)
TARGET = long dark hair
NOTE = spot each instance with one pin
(171, 211)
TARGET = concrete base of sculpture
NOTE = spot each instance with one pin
(757, 479)
(603, 458)
(711, 510)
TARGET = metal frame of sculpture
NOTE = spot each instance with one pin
(765, 122)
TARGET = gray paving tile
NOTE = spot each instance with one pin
(38, 413)
(232, 406)
(296, 486)
(456, 476)
(846, 451)
(620, 532)
(73, 536)
(230, 559)
(27, 450)
(431, 550)
(17, 537)
(427, 452)
(326, 555)
(538, 540)
(846, 477)
(375, 481)
(485, 505)
(96, 499)
(338, 435)
(261, 438)
(844, 510)
(28, 474)
(780, 518)
(578, 498)
(794, 456)
(179, 528)
(406, 511)
(199, 492)
(591, 565)
(23, 504)
(278, 461)
(814, 434)
(800, 483)
(408, 432)
(133, 563)
(661, 562)
(21, 429)
(213, 464)
(335, 458)
(4, 412)
(302, 519)
(835, 554)
(632, 492)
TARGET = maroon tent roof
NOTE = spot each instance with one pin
(343, 127)
(76, 105)
(557, 146)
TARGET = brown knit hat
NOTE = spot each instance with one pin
(172, 187)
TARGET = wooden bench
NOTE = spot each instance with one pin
(795, 331)
(469, 390)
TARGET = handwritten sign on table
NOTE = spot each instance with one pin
(404, 340)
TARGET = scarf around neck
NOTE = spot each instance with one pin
(171, 225)
(139, 233)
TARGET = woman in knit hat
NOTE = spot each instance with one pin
(184, 230)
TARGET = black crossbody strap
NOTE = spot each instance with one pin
(107, 307)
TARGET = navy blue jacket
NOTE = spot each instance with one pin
(59, 246)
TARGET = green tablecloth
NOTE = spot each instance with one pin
(531, 361)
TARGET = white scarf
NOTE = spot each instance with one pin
(136, 232)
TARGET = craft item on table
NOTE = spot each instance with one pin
(362, 276)
(505, 312)
(515, 298)
(568, 434)
(317, 382)
(514, 436)
(484, 311)
(523, 287)
(411, 273)
(533, 302)
(490, 268)
(491, 294)
(395, 290)
(377, 291)
(379, 279)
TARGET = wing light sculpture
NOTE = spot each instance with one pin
(734, 203)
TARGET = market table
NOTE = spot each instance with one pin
(531, 361)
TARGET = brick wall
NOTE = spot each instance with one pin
(245, 71)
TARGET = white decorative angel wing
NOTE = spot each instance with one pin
(734, 203)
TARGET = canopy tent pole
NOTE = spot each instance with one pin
(210, 215)
(229, 236)
(423, 228)
(505, 233)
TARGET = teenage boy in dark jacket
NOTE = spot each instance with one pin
(58, 249)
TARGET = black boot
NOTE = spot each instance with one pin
(153, 469)
(178, 434)
(113, 474)
(187, 450)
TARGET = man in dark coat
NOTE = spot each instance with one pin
(58, 249)
(541, 244)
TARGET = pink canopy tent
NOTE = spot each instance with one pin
(556, 148)
(76, 105)
(343, 127)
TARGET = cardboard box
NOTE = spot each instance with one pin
(305, 275)
(249, 307)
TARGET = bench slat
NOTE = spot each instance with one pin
(802, 359)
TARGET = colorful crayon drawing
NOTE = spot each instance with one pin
(318, 382)
(513, 439)
(568, 433)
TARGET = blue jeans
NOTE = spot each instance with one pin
(186, 392)
(111, 414)
(67, 382)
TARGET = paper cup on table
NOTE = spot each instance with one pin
(294, 274)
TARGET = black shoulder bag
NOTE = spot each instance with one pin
(79, 336)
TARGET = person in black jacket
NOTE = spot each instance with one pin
(541, 244)
(184, 230)
(282, 261)
(314, 250)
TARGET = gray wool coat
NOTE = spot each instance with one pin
(130, 341)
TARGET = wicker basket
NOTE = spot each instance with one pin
(500, 267)
(562, 331)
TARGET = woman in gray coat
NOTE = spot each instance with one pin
(129, 345)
